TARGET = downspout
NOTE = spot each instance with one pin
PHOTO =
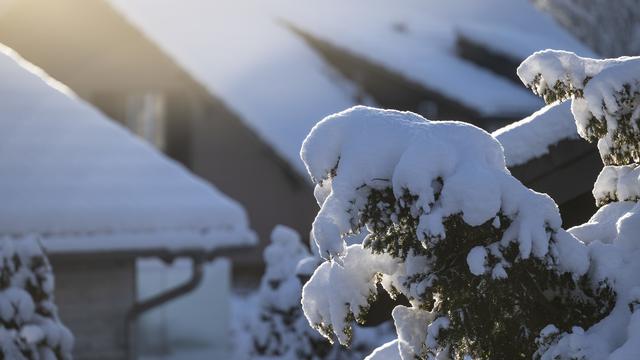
(141, 307)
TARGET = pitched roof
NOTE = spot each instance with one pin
(241, 52)
(417, 40)
(84, 183)
(533, 136)
(546, 154)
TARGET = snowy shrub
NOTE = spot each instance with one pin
(279, 329)
(483, 260)
(605, 99)
(29, 324)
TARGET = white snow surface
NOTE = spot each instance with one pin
(85, 183)
(388, 351)
(239, 51)
(417, 40)
(533, 136)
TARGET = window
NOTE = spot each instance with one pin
(145, 116)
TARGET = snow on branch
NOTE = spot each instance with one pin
(617, 183)
(332, 311)
(434, 169)
(605, 94)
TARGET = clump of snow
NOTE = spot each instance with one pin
(605, 93)
(30, 327)
(412, 332)
(549, 71)
(602, 225)
(357, 279)
(617, 183)
(533, 136)
(477, 259)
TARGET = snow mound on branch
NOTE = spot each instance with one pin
(605, 93)
(602, 227)
(617, 183)
(477, 259)
(544, 70)
(412, 332)
(365, 147)
(356, 279)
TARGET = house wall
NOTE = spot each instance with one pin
(567, 174)
(246, 169)
(93, 298)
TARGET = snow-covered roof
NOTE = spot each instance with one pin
(241, 54)
(533, 136)
(417, 39)
(84, 183)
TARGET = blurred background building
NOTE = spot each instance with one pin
(100, 200)
(230, 89)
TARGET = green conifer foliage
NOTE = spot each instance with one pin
(489, 317)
